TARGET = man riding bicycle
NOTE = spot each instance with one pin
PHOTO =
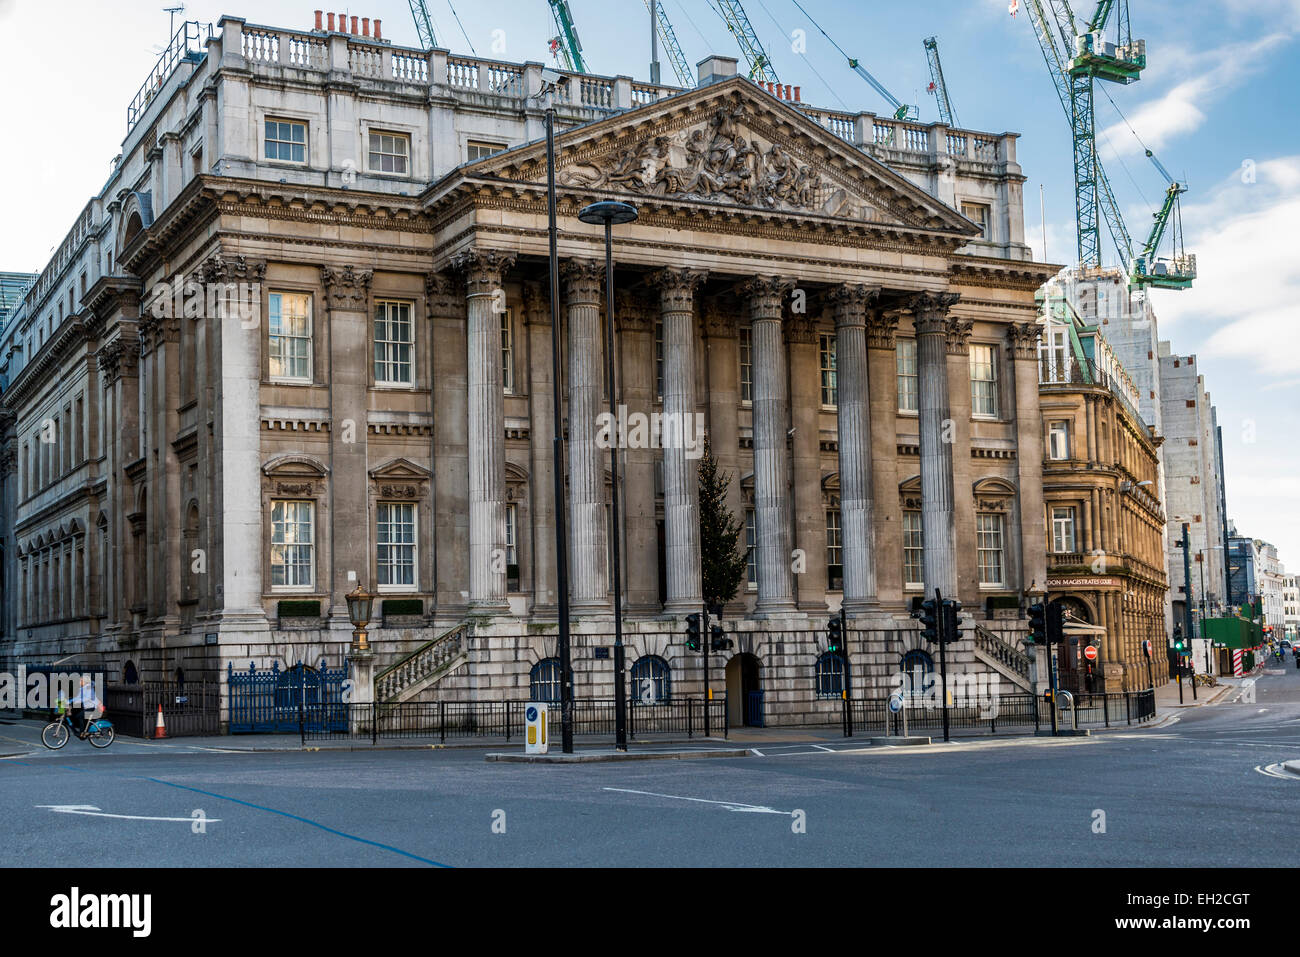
(82, 703)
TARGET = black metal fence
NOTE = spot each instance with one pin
(191, 708)
(1005, 712)
(445, 720)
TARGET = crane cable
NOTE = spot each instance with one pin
(783, 30)
(462, 28)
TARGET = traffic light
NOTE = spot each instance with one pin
(1037, 624)
(834, 636)
(718, 640)
(929, 620)
(693, 632)
(951, 607)
(1180, 646)
(1055, 622)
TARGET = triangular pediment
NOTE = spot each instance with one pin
(728, 145)
(400, 470)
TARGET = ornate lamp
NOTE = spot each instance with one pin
(360, 604)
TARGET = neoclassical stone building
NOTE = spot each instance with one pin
(371, 399)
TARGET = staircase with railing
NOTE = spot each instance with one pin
(408, 676)
(1000, 654)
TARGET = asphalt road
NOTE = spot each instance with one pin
(1197, 792)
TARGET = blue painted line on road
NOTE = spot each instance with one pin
(304, 820)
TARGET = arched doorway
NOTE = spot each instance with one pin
(744, 691)
(1071, 674)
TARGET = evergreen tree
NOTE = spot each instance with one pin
(722, 546)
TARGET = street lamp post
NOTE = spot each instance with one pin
(610, 214)
(551, 80)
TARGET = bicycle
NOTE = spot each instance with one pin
(99, 732)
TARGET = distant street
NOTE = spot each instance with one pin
(1196, 792)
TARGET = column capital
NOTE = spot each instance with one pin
(801, 329)
(849, 302)
(537, 306)
(582, 279)
(346, 288)
(958, 333)
(218, 268)
(483, 269)
(1023, 337)
(765, 295)
(442, 295)
(677, 287)
(930, 310)
(635, 313)
(882, 328)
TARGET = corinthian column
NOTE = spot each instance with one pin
(849, 305)
(681, 488)
(771, 460)
(587, 563)
(485, 300)
(930, 312)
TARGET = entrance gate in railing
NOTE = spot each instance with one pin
(284, 701)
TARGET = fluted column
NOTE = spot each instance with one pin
(882, 386)
(1023, 340)
(849, 306)
(930, 311)
(681, 488)
(589, 579)
(771, 459)
(485, 300)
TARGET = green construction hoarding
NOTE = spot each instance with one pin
(1233, 632)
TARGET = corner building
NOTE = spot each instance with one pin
(864, 357)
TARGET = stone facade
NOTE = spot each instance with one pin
(370, 400)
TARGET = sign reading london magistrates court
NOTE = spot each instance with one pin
(1084, 581)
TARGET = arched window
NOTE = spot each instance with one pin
(651, 680)
(129, 675)
(544, 681)
(830, 675)
(916, 665)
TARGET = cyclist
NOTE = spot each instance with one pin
(82, 703)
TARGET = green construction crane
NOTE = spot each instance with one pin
(566, 43)
(423, 24)
(902, 111)
(1074, 62)
(937, 85)
(685, 76)
(737, 21)
(1178, 271)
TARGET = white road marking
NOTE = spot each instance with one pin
(91, 811)
(1277, 771)
(757, 752)
(729, 805)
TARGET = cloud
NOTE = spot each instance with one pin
(1244, 300)
(1181, 109)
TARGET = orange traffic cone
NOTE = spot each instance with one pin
(160, 729)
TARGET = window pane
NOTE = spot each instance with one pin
(907, 383)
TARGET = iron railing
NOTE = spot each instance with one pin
(505, 719)
(189, 708)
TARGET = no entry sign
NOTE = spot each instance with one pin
(1090, 652)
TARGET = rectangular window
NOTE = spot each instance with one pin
(746, 364)
(983, 381)
(507, 355)
(751, 552)
(827, 354)
(1063, 540)
(512, 548)
(477, 150)
(988, 543)
(292, 544)
(289, 334)
(395, 553)
(389, 152)
(659, 359)
(980, 215)
(834, 551)
(913, 550)
(907, 380)
(286, 141)
(1058, 440)
(394, 343)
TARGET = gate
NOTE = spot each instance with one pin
(282, 701)
(754, 709)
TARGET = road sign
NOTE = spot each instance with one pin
(1090, 652)
(535, 739)
(1146, 647)
(895, 703)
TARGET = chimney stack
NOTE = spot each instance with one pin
(796, 95)
(343, 23)
(318, 18)
(354, 26)
(377, 34)
(330, 21)
(365, 26)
